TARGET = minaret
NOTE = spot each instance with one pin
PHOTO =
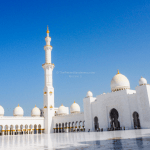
(48, 88)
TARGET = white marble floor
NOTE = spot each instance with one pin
(128, 139)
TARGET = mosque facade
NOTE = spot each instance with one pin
(122, 108)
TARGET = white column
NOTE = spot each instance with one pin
(8, 130)
(3, 132)
(67, 128)
(37, 132)
(18, 130)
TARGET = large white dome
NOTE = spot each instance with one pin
(62, 110)
(74, 108)
(119, 82)
(35, 112)
(18, 111)
(142, 81)
(1, 111)
(89, 94)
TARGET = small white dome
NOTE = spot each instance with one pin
(62, 110)
(89, 94)
(35, 112)
(142, 81)
(1, 111)
(74, 108)
(18, 111)
(119, 82)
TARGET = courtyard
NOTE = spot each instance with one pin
(126, 140)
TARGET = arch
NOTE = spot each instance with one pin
(16, 128)
(30, 128)
(1, 128)
(114, 115)
(11, 129)
(26, 129)
(62, 127)
(96, 124)
(21, 129)
(39, 128)
(76, 126)
(72, 127)
(69, 126)
(136, 120)
(56, 127)
(6, 130)
(35, 129)
(66, 125)
(59, 127)
(80, 126)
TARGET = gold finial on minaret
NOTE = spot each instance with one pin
(47, 29)
(118, 71)
(74, 101)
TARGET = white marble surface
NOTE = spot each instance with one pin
(129, 139)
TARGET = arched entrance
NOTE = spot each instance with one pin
(114, 115)
(96, 125)
(136, 120)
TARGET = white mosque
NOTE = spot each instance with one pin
(122, 108)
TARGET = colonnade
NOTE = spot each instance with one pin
(77, 126)
(21, 129)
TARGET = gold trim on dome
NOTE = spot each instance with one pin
(51, 106)
(50, 92)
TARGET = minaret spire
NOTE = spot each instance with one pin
(47, 31)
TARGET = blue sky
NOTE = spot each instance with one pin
(96, 37)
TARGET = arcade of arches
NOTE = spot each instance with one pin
(77, 126)
(21, 129)
(114, 123)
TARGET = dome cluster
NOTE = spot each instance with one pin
(74, 108)
(18, 111)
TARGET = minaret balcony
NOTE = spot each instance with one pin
(48, 65)
(47, 47)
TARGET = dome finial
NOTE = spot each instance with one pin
(35, 105)
(18, 105)
(47, 29)
(74, 101)
(118, 71)
(61, 104)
